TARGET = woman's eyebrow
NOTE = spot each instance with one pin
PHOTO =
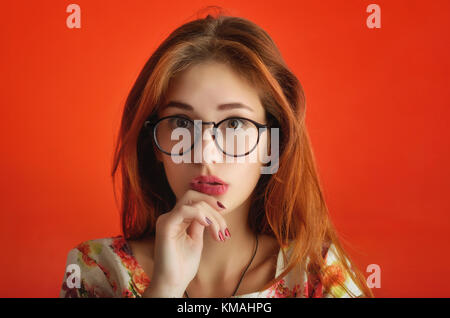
(181, 105)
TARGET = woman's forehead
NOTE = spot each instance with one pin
(212, 86)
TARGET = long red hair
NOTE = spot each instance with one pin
(289, 204)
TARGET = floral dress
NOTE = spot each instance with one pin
(106, 267)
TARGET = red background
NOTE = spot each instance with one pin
(377, 113)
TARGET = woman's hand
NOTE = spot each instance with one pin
(179, 242)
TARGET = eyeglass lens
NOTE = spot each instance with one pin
(234, 136)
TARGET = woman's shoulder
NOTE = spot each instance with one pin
(299, 282)
(334, 275)
(106, 267)
(95, 246)
(338, 278)
(101, 251)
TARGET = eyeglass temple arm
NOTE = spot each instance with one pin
(148, 124)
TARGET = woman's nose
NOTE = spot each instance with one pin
(209, 153)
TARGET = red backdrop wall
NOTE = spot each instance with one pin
(377, 113)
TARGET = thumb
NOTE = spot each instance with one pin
(195, 231)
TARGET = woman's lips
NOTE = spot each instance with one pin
(209, 185)
(209, 188)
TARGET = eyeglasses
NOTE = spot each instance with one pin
(234, 136)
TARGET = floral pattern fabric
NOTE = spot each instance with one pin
(107, 268)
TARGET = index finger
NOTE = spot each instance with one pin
(192, 196)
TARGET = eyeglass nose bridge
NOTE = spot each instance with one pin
(214, 128)
(209, 123)
(215, 125)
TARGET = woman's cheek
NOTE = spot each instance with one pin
(246, 177)
(174, 173)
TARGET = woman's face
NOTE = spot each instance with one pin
(204, 87)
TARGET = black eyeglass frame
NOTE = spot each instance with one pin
(149, 124)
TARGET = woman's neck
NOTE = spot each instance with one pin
(224, 262)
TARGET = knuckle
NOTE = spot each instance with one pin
(223, 224)
(199, 206)
(190, 193)
(183, 208)
(161, 220)
(204, 205)
(222, 221)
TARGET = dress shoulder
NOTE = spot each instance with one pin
(103, 267)
(85, 273)
(300, 282)
(336, 276)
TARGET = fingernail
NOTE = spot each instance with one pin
(220, 205)
(227, 233)
(208, 220)
(221, 236)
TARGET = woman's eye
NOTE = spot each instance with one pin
(234, 124)
(182, 123)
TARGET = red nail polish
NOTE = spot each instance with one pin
(227, 233)
(221, 236)
(220, 205)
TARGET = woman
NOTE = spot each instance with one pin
(204, 226)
